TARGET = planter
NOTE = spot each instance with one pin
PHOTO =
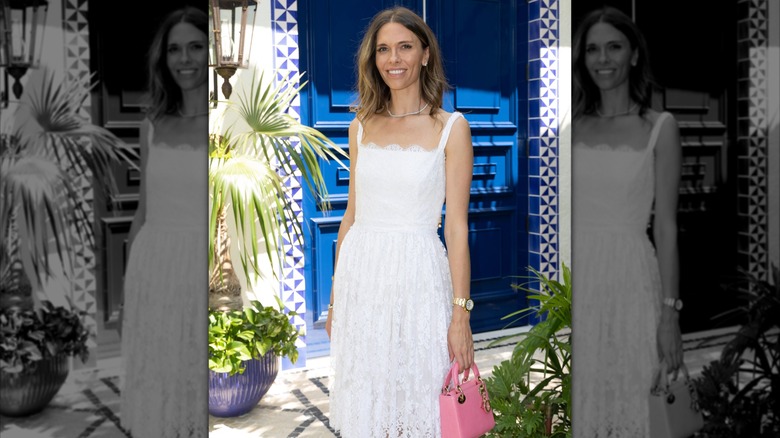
(231, 396)
(28, 393)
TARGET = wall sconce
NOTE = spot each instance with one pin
(231, 37)
(22, 26)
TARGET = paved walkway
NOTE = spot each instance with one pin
(296, 405)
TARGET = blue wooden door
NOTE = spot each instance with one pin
(484, 47)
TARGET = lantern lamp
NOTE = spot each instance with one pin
(22, 25)
(230, 37)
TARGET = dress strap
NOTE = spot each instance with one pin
(445, 135)
(657, 129)
(149, 132)
(360, 133)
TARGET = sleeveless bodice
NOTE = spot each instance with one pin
(614, 187)
(400, 188)
(179, 178)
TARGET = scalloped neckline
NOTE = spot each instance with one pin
(397, 147)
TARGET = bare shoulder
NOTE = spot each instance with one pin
(353, 126)
(670, 122)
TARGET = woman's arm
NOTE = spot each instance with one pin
(459, 170)
(349, 214)
(667, 183)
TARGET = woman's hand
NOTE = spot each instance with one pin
(670, 340)
(460, 342)
(329, 322)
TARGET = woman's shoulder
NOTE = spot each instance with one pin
(653, 116)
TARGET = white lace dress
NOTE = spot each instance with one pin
(164, 346)
(392, 297)
(616, 289)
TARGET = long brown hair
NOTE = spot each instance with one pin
(640, 80)
(373, 93)
(163, 93)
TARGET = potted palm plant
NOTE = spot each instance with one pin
(42, 216)
(542, 409)
(246, 181)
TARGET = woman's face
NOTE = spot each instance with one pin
(608, 56)
(399, 56)
(187, 56)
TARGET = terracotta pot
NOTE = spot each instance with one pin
(28, 393)
(231, 396)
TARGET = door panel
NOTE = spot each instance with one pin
(479, 40)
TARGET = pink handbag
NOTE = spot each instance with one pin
(674, 407)
(465, 406)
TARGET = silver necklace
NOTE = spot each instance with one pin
(633, 107)
(413, 113)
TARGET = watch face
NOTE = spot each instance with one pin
(469, 305)
(678, 305)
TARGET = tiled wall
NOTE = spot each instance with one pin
(284, 22)
(76, 48)
(752, 136)
(543, 134)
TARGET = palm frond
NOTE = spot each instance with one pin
(251, 190)
(33, 196)
(248, 170)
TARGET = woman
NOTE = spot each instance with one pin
(164, 338)
(400, 302)
(626, 170)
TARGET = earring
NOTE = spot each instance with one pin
(425, 64)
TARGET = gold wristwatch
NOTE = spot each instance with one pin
(466, 303)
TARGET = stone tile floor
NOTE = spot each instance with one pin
(296, 405)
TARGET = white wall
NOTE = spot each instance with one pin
(564, 139)
(773, 126)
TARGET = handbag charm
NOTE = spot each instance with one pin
(674, 407)
(465, 405)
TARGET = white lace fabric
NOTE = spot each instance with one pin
(392, 297)
(617, 290)
(397, 147)
(164, 391)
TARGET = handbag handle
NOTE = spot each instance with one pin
(661, 377)
(452, 375)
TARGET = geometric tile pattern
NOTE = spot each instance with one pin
(76, 49)
(284, 22)
(543, 135)
(752, 138)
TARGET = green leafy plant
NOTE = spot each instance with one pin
(246, 171)
(238, 336)
(544, 352)
(41, 164)
(738, 393)
(29, 336)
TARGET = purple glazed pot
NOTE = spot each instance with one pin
(30, 392)
(231, 396)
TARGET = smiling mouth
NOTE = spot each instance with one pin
(396, 72)
(187, 71)
(605, 71)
